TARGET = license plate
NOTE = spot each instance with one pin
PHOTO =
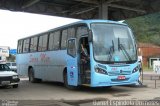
(121, 77)
(5, 82)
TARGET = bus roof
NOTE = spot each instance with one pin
(88, 22)
(94, 21)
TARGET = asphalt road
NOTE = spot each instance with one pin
(52, 91)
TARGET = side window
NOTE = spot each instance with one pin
(42, 45)
(64, 39)
(56, 40)
(72, 47)
(19, 48)
(33, 44)
(51, 37)
(26, 45)
(81, 30)
(8, 64)
(45, 40)
(71, 33)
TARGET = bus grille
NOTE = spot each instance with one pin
(117, 80)
(114, 73)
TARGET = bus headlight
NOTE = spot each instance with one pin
(14, 76)
(135, 69)
(101, 71)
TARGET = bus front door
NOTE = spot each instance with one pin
(72, 63)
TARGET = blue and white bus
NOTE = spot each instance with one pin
(56, 55)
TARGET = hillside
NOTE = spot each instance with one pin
(146, 28)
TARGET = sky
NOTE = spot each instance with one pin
(16, 25)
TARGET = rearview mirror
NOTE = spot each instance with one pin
(90, 36)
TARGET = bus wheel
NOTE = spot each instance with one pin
(66, 82)
(31, 75)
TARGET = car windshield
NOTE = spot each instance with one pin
(113, 43)
(8, 64)
(4, 67)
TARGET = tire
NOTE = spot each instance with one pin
(66, 82)
(108, 87)
(15, 86)
(31, 76)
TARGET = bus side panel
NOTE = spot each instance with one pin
(22, 64)
(54, 68)
(47, 66)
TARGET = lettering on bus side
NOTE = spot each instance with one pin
(33, 59)
(44, 58)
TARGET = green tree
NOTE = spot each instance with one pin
(146, 28)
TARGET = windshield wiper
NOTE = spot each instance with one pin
(121, 47)
(111, 51)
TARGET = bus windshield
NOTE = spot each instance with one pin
(113, 43)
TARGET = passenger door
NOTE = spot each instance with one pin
(72, 62)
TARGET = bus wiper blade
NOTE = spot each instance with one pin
(111, 51)
(121, 47)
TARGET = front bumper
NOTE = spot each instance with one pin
(5, 81)
(105, 80)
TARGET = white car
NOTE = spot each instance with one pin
(8, 77)
(12, 66)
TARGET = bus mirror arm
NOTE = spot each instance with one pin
(90, 36)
